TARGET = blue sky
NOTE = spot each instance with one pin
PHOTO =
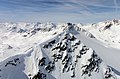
(85, 11)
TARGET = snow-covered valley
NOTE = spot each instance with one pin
(60, 51)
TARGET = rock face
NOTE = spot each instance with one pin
(69, 52)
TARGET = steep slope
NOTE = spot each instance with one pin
(65, 55)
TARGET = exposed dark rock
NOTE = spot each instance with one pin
(10, 47)
(13, 62)
(93, 65)
(108, 26)
(108, 74)
(42, 61)
(39, 75)
(69, 24)
(50, 44)
(50, 67)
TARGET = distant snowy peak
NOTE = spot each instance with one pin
(107, 24)
(45, 27)
(26, 29)
(107, 32)
(40, 27)
(15, 27)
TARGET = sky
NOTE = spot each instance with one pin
(77, 11)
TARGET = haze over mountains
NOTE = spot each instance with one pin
(60, 51)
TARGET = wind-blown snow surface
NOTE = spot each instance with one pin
(58, 51)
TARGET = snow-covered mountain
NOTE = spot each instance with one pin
(107, 32)
(59, 51)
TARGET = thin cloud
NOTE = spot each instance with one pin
(57, 8)
(116, 6)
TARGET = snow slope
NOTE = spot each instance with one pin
(55, 51)
(107, 32)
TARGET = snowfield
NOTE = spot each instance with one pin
(60, 51)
